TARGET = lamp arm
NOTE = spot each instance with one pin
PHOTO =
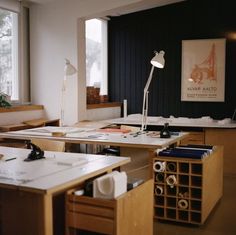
(63, 101)
(149, 80)
(64, 83)
(146, 111)
(145, 100)
(143, 111)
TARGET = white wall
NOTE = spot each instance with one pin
(103, 113)
(54, 36)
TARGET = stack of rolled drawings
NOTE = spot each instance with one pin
(188, 151)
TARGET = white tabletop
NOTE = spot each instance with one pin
(57, 169)
(204, 122)
(80, 135)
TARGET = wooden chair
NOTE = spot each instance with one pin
(49, 145)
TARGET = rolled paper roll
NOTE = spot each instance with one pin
(159, 166)
(183, 194)
(160, 177)
(158, 190)
(171, 180)
(171, 166)
(183, 204)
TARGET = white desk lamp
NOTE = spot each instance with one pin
(159, 62)
(69, 70)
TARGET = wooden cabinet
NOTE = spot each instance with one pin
(194, 137)
(195, 192)
(226, 138)
(130, 213)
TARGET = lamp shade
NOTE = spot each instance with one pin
(69, 69)
(158, 60)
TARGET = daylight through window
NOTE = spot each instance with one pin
(9, 54)
(96, 54)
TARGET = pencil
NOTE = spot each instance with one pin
(9, 159)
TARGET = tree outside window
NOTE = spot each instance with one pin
(96, 54)
(8, 54)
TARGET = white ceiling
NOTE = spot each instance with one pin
(142, 4)
(129, 8)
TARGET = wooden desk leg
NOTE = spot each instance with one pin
(25, 213)
(47, 215)
(139, 165)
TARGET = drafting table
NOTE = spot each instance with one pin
(203, 122)
(31, 193)
(204, 130)
(134, 145)
(91, 136)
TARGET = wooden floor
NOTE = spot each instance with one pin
(222, 220)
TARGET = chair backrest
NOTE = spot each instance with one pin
(49, 145)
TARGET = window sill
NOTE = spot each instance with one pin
(104, 105)
(21, 108)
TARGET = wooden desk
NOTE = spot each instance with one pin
(90, 136)
(32, 193)
(174, 122)
(22, 126)
(135, 146)
(201, 131)
(29, 124)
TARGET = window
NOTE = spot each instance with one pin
(9, 74)
(96, 54)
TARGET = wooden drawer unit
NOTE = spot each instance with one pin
(198, 187)
(130, 213)
(194, 137)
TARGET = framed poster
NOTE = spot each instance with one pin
(203, 70)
